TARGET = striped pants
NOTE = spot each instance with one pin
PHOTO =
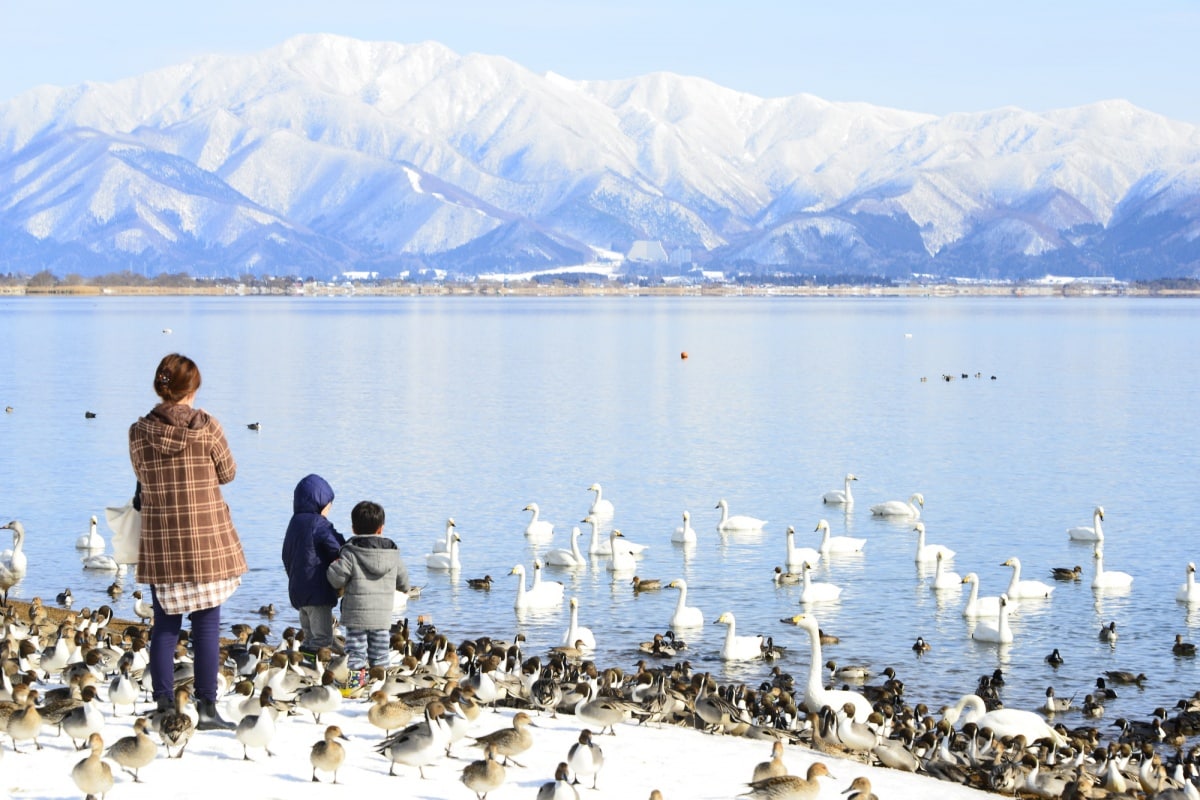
(367, 648)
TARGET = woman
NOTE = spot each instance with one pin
(190, 553)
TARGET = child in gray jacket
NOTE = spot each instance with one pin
(371, 570)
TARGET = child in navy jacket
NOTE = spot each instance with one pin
(310, 545)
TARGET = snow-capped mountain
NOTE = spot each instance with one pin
(327, 154)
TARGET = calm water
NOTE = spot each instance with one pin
(473, 408)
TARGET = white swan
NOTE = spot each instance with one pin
(738, 648)
(1108, 579)
(797, 557)
(685, 534)
(543, 596)
(815, 694)
(90, 540)
(685, 616)
(900, 508)
(443, 545)
(552, 588)
(837, 544)
(1004, 722)
(447, 561)
(567, 558)
(817, 592)
(597, 546)
(622, 558)
(840, 497)
(978, 607)
(928, 553)
(1189, 592)
(537, 528)
(600, 506)
(1094, 533)
(945, 580)
(100, 562)
(576, 632)
(13, 563)
(994, 632)
(1024, 590)
(740, 522)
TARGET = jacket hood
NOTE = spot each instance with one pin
(312, 494)
(371, 554)
(171, 426)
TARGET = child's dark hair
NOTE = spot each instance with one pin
(366, 518)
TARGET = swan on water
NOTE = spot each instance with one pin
(622, 558)
(928, 553)
(1024, 590)
(1092, 533)
(945, 580)
(833, 545)
(577, 633)
(816, 695)
(543, 595)
(817, 592)
(900, 508)
(738, 648)
(685, 534)
(685, 616)
(443, 545)
(91, 540)
(447, 561)
(567, 558)
(600, 507)
(537, 528)
(1108, 579)
(739, 522)
(797, 557)
(1189, 592)
(840, 497)
(978, 607)
(995, 631)
(1004, 722)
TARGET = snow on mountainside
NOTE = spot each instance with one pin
(328, 153)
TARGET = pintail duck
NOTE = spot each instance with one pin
(418, 745)
(646, 584)
(509, 742)
(93, 775)
(485, 775)
(257, 730)
(787, 578)
(136, 751)
(560, 788)
(585, 757)
(790, 787)
(773, 768)
(328, 754)
(1066, 573)
(176, 725)
(860, 789)
(321, 698)
(25, 723)
(84, 719)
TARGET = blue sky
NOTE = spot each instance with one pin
(939, 57)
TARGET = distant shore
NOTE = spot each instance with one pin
(484, 289)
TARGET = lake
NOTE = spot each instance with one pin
(472, 408)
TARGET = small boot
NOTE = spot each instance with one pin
(165, 703)
(210, 719)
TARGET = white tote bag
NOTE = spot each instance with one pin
(126, 525)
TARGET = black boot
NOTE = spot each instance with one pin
(165, 703)
(210, 718)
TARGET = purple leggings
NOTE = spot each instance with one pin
(206, 641)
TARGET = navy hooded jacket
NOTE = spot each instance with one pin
(311, 545)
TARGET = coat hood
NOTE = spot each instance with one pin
(372, 554)
(312, 494)
(171, 425)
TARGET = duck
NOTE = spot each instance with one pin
(783, 578)
(254, 426)
(1057, 705)
(509, 742)
(91, 540)
(817, 592)
(320, 698)
(645, 584)
(798, 556)
(537, 528)
(257, 730)
(837, 544)
(64, 598)
(945, 580)
(789, 787)
(816, 695)
(1024, 590)
(585, 758)
(622, 559)
(328, 754)
(995, 632)
(920, 646)
(928, 553)
(1108, 579)
(482, 584)
(1055, 659)
(1108, 633)
(442, 545)
(448, 561)
(1183, 648)
(685, 534)
(600, 507)
(1066, 573)
(560, 788)
(576, 632)
(602, 712)
(1093, 533)
(978, 607)
(848, 672)
(740, 522)
(738, 648)
(136, 751)
(143, 610)
(84, 719)
(684, 616)
(860, 789)
(900, 508)
(840, 497)
(13, 563)
(176, 725)
(484, 775)
(772, 768)
(544, 595)
(388, 713)
(419, 744)
(1188, 591)
(572, 558)
(93, 775)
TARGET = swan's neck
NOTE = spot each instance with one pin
(724, 513)
(1016, 577)
(1096, 526)
(848, 496)
(575, 547)
(973, 597)
(682, 597)
(595, 534)
(815, 688)
(1191, 581)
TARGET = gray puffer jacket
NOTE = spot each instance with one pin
(371, 570)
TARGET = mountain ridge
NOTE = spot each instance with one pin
(325, 154)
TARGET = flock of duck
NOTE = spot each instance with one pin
(64, 674)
